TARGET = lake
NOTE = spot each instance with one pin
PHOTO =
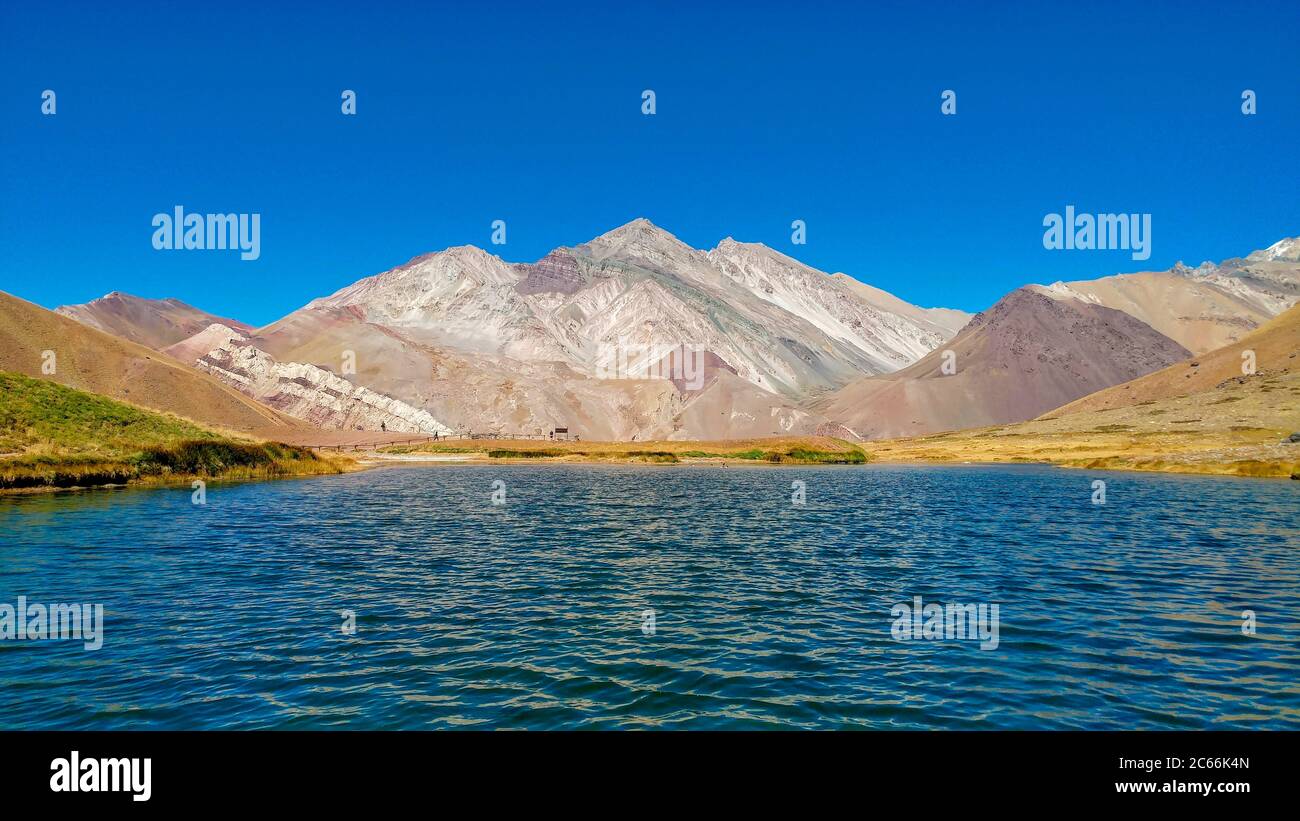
(661, 597)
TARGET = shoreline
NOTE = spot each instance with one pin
(366, 462)
(147, 482)
(1257, 454)
(370, 461)
(683, 454)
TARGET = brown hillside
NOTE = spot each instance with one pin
(154, 323)
(1277, 351)
(1027, 354)
(91, 360)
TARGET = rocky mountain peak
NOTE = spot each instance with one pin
(1284, 250)
(735, 249)
(638, 238)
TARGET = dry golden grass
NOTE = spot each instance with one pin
(1237, 429)
(779, 449)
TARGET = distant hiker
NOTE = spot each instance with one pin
(383, 426)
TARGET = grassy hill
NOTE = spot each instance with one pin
(55, 436)
(91, 360)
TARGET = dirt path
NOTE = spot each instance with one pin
(339, 438)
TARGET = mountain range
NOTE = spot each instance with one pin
(486, 345)
(462, 340)
(1206, 307)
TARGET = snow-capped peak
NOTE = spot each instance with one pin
(1284, 249)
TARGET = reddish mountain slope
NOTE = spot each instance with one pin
(1027, 354)
(154, 323)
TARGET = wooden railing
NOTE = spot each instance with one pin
(368, 445)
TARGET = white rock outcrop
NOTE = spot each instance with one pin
(306, 391)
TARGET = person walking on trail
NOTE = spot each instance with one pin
(383, 426)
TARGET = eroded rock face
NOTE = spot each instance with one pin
(486, 345)
(309, 392)
(557, 272)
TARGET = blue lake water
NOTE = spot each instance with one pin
(767, 614)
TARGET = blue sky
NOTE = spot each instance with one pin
(531, 113)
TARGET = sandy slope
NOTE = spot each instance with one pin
(949, 320)
(1276, 345)
(1195, 314)
(91, 360)
(1206, 307)
(472, 391)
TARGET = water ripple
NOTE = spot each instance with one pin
(767, 615)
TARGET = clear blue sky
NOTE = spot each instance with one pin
(531, 113)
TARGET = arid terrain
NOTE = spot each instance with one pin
(737, 353)
(766, 450)
(1239, 429)
(1203, 415)
(1029, 353)
(92, 360)
(154, 323)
